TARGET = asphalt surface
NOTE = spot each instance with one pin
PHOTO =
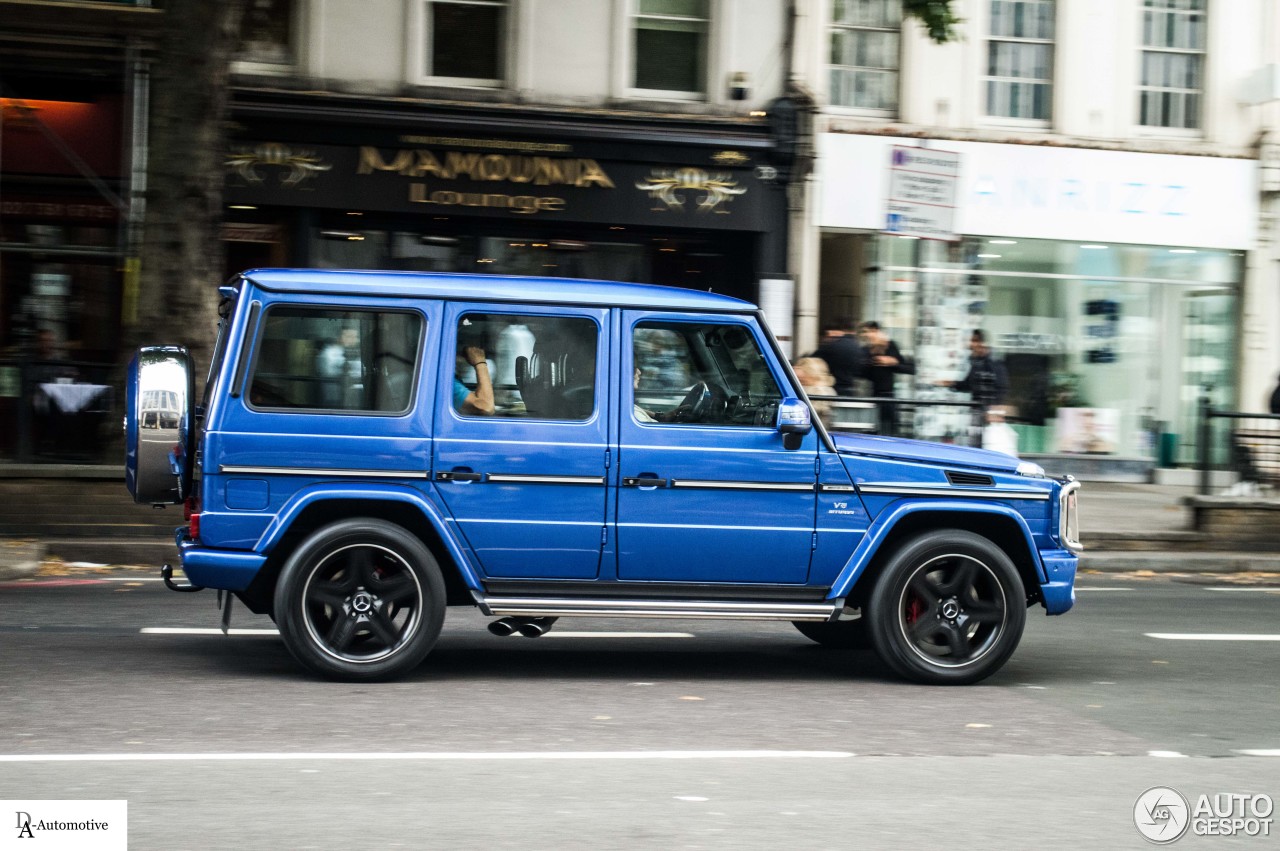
(701, 735)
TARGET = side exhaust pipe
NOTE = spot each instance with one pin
(528, 627)
(534, 627)
(503, 627)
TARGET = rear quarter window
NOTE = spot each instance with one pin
(323, 359)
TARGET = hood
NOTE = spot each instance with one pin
(924, 452)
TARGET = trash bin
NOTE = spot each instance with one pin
(1168, 449)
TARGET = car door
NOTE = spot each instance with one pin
(707, 490)
(526, 484)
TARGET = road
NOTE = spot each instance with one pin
(696, 735)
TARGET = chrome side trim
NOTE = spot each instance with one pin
(711, 484)
(629, 608)
(837, 488)
(522, 479)
(953, 492)
(318, 471)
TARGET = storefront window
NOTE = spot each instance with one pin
(1108, 347)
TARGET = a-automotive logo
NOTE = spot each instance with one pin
(1161, 815)
(59, 825)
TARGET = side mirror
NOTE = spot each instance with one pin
(793, 417)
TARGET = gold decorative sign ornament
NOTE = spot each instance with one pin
(300, 165)
(669, 186)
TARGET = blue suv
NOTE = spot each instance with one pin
(373, 447)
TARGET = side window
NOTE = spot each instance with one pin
(541, 367)
(326, 360)
(701, 374)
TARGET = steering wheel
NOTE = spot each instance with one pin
(694, 404)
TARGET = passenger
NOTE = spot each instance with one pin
(480, 400)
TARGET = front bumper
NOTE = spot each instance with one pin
(229, 570)
(1059, 587)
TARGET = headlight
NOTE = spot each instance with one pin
(1069, 516)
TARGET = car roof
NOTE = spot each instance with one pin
(490, 288)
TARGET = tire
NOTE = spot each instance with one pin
(361, 599)
(838, 635)
(948, 609)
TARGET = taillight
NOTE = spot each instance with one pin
(191, 513)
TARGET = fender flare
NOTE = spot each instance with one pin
(885, 522)
(319, 493)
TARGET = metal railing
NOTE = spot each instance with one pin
(1239, 452)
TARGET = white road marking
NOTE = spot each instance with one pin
(133, 579)
(1210, 636)
(1260, 752)
(1167, 754)
(185, 630)
(1102, 588)
(423, 755)
(1266, 589)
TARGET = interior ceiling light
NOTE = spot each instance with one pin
(1182, 251)
(992, 256)
(1094, 247)
(1003, 241)
(241, 207)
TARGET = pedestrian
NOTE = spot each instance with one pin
(816, 379)
(987, 381)
(843, 355)
(1275, 400)
(882, 362)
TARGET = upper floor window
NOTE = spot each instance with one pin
(465, 41)
(1020, 59)
(1173, 46)
(268, 35)
(865, 35)
(670, 46)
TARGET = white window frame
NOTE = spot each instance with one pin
(418, 51)
(827, 67)
(988, 118)
(1165, 130)
(624, 49)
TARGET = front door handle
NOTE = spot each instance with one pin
(459, 476)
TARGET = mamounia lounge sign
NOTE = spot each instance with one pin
(579, 172)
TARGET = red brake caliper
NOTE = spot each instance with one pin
(915, 608)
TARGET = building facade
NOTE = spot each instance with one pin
(625, 140)
(1101, 209)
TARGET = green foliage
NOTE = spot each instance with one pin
(936, 15)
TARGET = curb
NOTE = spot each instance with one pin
(1125, 561)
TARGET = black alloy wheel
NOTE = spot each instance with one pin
(948, 609)
(362, 599)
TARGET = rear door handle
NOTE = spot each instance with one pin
(645, 482)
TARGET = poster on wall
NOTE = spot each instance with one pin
(1088, 431)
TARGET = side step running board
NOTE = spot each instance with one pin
(631, 608)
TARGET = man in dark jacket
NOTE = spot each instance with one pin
(987, 381)
(881, 363)
(843, 354)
